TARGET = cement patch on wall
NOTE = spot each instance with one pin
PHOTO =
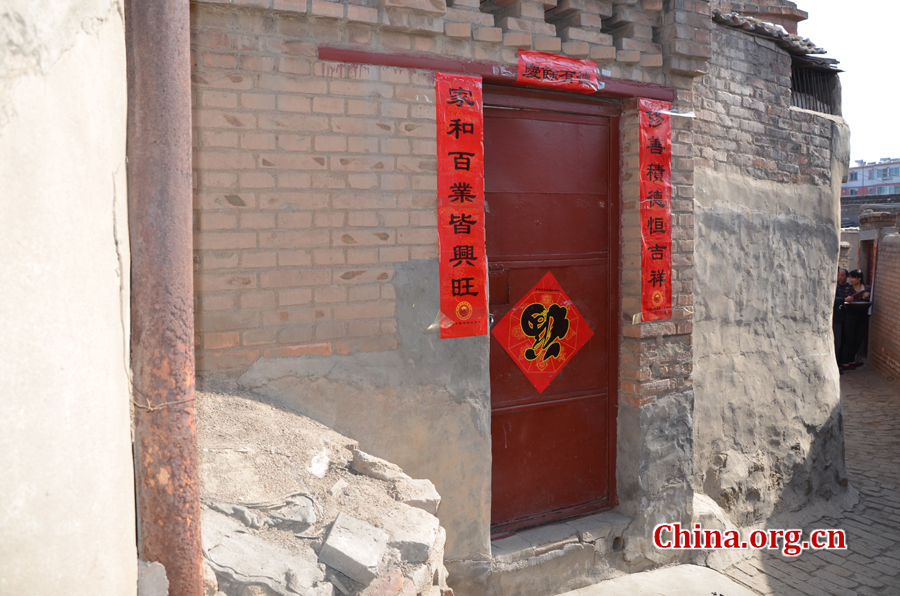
(425, 406)
(768, 432)
(67, 522)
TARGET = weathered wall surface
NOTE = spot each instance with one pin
(884, 325)
(67, 520)
(412, 406)
(768, 429)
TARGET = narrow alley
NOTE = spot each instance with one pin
(871, 563)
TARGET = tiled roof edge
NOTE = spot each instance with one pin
(794, 44)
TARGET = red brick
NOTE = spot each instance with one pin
(321, 349)
(210, 282)
(295, 221)
(257, 300)
(218, 60)
(227, 321)
(217, 341)
(294, 278)
(259, 337)
(224, 240)
(374, 310)
(293, 239)
(226, 360)
(294, 297)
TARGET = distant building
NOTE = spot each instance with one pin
(873, 178)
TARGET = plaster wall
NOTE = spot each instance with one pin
(425, 406)
(768, 425)
(67, 521)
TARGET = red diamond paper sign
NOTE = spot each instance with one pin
(543, 332)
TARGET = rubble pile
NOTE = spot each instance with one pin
(291, 507)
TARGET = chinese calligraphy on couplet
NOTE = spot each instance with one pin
(460, 206)
(656, 209)
(539, 69)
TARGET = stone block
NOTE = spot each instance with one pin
(391, 585)
(412, 21)
(515, 39)
(432, 7)
(488, 34)
(526, 9)
(418, 493)
(603, 53)
(462, 15)
(375, 467)
(548, 44)
(578, 34)
(362, 14)
(412, 531)
(354, 548)
(528, 26)
(651, 60)
(580, 19)
(458, 30)
(628, 56)
(578, 49)
(324, 8)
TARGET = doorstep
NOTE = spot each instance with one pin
(559, 557)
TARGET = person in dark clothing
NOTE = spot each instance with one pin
(856, 320)
(837, 318)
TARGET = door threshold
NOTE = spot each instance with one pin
(602, 530)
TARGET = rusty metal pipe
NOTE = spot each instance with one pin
(162, 314)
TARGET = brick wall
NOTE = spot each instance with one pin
(313, 179)
(745, 123)
(884, 325)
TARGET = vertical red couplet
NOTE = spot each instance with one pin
(460, 206)
(656, 209)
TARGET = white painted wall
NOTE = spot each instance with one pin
(66, 485)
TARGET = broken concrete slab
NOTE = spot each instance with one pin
(354, 548)
(245, 558)
(298, 514)
(369, 465)
(413, 532)
(592, 528)
(418, 493)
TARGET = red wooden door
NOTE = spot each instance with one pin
(551, 168)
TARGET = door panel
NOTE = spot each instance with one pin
(549, 189)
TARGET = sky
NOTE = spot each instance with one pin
(865, 37)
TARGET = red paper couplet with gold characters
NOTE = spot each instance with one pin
(539, 69)
(460, 206)
(543, 332)
(656, 210)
